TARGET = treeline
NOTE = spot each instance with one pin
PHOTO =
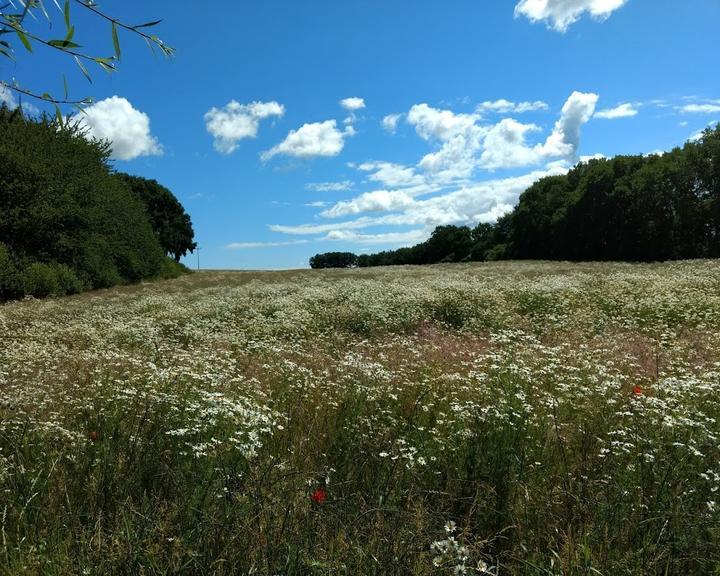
(631, 208)
(69, 223)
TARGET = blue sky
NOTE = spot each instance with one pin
(289, 128)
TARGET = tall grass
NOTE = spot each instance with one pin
(499, 419)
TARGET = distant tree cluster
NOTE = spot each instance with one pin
(334, 260)
(68, 223)
(631, 208)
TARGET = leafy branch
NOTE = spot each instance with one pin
(12, 23)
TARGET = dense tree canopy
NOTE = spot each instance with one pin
(632, 208)
(334, 260)
(168, 218)
(67, 223)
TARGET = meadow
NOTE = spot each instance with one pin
(510, 418)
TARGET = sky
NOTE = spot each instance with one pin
(291, 128)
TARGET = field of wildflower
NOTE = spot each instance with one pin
(510, 418)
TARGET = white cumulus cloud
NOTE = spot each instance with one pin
(234, 122)
(7, 97)
(127, 129)
(460, 136)
(621, 111)
(560, 14)
(505, 145)
(466, 144)
(392, 175)
(311, 141)
(565, 138)
(353, 104)
(376, 201)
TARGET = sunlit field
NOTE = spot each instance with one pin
(513, 418)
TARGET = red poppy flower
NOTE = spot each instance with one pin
(93, 436)
(637, 390)
(319, 496)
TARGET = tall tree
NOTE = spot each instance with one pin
(170, 222)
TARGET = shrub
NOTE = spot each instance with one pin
(68, 281)
(172, 269)
(66, 221)
(40, 280)
(10, 284)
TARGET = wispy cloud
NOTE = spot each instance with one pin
(329, 186)
(251, 245)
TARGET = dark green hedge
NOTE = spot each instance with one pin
(67, 222)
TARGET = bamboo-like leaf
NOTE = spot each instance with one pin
(70, 33)
(63, 44)
(42, 8)
(65, 86)
(150, 45)
(24, 39)
(147, 24)
(67, 14)
(83, 69)
(106, 63)
(59, 116)
(116, 41)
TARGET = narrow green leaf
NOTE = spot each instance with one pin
(45, 13)
(67, 14)
(116, 41)
(46, 96)
(148, 24)
(58, 115)
(65, 86)
(70, 33)
(63, 44)
(24, 39)
(106, 63)
(82, 68)
(150, 45)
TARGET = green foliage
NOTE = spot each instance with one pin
(67, 223)
(510, 419)
(29, 22)
(629, 208)
(334, 260)
(41, 280)
(172, 269)
(170, 222)
(10, 282)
